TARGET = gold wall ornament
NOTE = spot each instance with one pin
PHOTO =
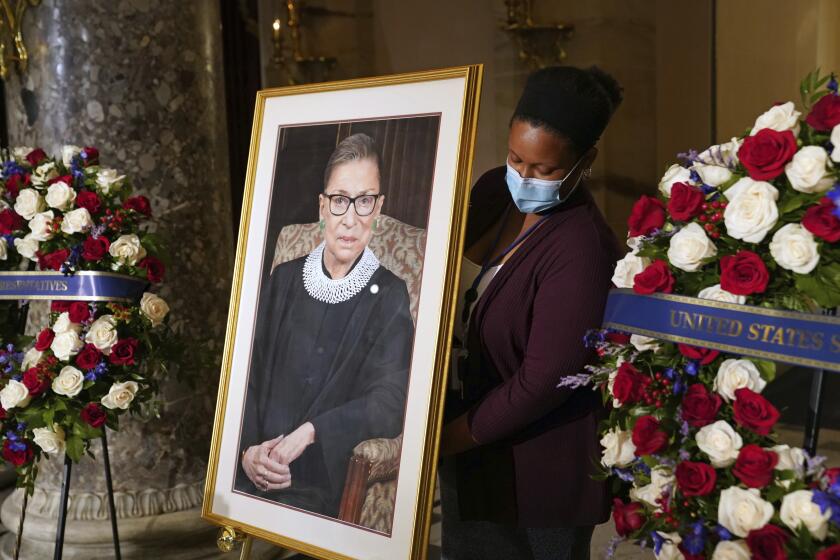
(12, 47)
(298, 67)
(539, 44)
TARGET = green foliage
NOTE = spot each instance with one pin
(812, 88)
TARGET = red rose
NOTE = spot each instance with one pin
(703, 355)
(155, 269)
(17, 182)
(17, 457)
(68, 179)
(830, 553)
(10, 221)
(122, 353)
(754, 466)
(647, 215)
(89, 200)
(685, 201)
(79, 311)
(54, 260)
(2, 413)
(825, 114)
(90, 156)
(36, 381)
(138, 204)
(93, 415)
(699, 406)
(655, 278)
(94, 249)
(765, 154)
(695, 479)
(628, 517)
(35, 156)
(630, 384)
(754, 412)
(59, 306)
(648, 437)
(767, 543)
(45, 338)
(820, 221)
(743, 273)
(833, 474)
(88, 357)
(618, 337)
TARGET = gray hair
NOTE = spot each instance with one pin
(355, 147)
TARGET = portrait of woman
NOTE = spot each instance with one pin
(332, 348)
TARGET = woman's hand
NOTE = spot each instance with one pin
(293, 445)
(262, 470)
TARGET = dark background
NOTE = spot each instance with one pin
(407, 147)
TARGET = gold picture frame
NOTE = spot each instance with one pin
(387, 98)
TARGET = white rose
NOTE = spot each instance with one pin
(77, 221)
(731, 550)
(835, 141)
(790, 459)
(642, 343)
(69, 382)
(154, 308)
(103, 334)
(60, 196)
(49, 440)
(690, 247)
(68, 152)
(27, 247)
(793, 247)
(41, 226)
(107, 179)
(661, 481)
(63, 324)
(66, 345)
(740, 511)
(720, 442)
(627, 268)
(808, 170)
(120, 395)
(634, 243)
(4, 250)
(28, 203)
(780, 117)
(736, 374)
(619, 450)
(798, 509)
(14, 394)
(20, 152)
(752, 210)
(611, 383)
(712, 175)
(31, 358)
(43, 173)
(127, 249)
(675, 174)
(716, 293)
(670, 548)
(725, 155)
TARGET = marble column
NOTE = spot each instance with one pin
(142, 81)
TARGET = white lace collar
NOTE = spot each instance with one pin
(323, 288)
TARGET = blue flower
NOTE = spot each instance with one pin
(623, 474)
(17, 446)
(658, 541)
(723, 533)
(670, 373)
(691, 368)
(21, 426)
(695, 541)
(678, 386)
(832, 84)
(828, 501)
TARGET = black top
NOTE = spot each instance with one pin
(343, 367)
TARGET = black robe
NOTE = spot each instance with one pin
(343, 367)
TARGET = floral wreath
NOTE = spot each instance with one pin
(689, 446)
(97, 359)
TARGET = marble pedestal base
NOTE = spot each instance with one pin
(181, 535)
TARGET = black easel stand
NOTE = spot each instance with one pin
(65, 495)
(812, 423)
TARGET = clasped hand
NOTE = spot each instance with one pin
(267, 464)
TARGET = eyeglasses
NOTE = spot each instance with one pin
(364, 205)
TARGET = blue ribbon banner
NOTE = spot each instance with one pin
(803, 339)
(81, 286)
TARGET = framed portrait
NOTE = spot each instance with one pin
(331, 392)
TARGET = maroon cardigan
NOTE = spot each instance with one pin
(538, 443)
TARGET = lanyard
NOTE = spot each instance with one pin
(471, 294)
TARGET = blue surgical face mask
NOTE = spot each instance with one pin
(533, 196)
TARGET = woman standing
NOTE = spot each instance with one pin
(521, 446)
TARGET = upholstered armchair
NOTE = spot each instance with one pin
(370, 488)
